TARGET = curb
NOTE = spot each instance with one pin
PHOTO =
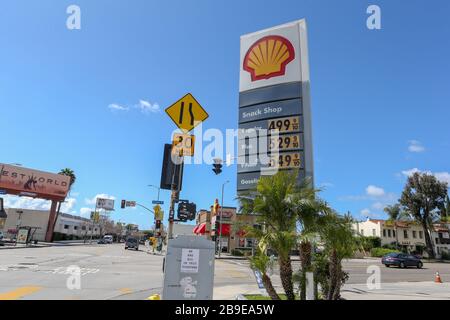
(240, 297)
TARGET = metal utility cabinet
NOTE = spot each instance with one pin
(189, 269)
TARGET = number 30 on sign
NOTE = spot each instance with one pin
(183, 144)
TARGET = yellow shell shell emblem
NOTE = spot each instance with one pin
(268, 57)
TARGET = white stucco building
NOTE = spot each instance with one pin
(66, 224)
(408, 235)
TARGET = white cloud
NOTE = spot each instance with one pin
(326, 185)
(375, 191)
(441, 176)
(415, 146)
(26, 203)
(93, 200)
(86, 212)
(68, 205)
(117, 107)
(365, 212)
(37, 204)
(378, 205)
(148, 107)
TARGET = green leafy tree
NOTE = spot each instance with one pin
(422, 198)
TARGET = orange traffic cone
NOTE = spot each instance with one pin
(437, 278)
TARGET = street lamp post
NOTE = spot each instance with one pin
(159, 189)
(221, 217)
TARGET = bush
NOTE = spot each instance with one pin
(368, 243)
(391, 246)
(237, 253)
(379, 252)
(445, 255)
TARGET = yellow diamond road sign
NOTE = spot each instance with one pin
(187, 113)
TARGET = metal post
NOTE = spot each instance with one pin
(175, 195)
(95, 212)
(220, 221)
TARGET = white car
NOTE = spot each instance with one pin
(108, 239)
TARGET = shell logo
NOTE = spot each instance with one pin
(268, 57)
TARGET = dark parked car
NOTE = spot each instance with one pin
(132, 243)
(401, 260)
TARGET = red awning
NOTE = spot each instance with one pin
(195, 229)
(224, 229)
(241, 233)
(201, 229)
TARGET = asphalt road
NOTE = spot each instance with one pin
(107, 272)
(110, 272)
(358, 271)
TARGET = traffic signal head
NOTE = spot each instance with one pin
(186, 211)
(217, 166)
(122, 204)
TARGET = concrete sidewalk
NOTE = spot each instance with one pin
(398, 291)
(9, 245)
(388, 291)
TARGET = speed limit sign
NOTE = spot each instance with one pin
(183, 144)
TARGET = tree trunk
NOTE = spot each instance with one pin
(337, 289)
(305, 259)
(334, 274)
(286, 277)
(269, 287)
(428, 240)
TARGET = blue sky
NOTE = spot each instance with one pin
(379, 97)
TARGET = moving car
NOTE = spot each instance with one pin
(108, 239)
(132, 243)
(401, 260)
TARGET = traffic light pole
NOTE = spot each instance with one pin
(178, 172)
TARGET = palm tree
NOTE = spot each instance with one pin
(273, 202)
(70, 173)
(261, 262)
(395, 214)
(309, 211)
(340, 243)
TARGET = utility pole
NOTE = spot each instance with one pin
(177, 173)
(93, 218)
(221, 217)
